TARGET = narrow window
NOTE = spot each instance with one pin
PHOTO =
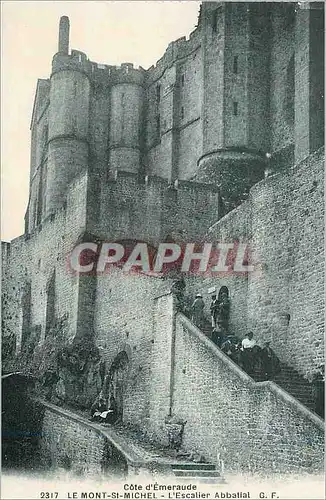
(235, 65)
(183, 80)
(235, 108)
(158, 93)
(158, 126)
(214, 21)
(39, 207)
(289, 93)
(182, 113)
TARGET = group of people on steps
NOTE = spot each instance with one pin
(246, 352)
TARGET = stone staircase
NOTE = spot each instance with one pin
(292, 382)
(197, 473)
(288, 379)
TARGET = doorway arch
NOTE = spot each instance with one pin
(117, 380)
(223, 291)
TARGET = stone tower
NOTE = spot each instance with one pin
(68, 142)
(235, 102)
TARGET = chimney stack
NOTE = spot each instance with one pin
(64, 27)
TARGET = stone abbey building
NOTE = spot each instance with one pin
(221, 140)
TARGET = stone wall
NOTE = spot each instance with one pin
(69, 443)
(123, 322)
(229, 418)
(282, 299)
(32, 261)
(161, 372)
(149, 209)
(249, 425)
(282, 76)
(285, 301)
(174, 100)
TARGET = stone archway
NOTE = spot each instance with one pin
(117, 380)
(223, 291)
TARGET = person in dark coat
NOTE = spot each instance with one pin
(223, 307)
(214, 311)
(178, 290)
(230, 347)
(247, 353)
(218, 334)
(197, 310)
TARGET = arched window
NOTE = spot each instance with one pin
(117, 380)
(223, 292)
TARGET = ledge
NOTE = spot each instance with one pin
(164, 294)
(254, 153)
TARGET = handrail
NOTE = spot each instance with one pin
(272, 386)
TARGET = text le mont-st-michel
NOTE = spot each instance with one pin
(174, 494)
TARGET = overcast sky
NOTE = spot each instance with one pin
(108, 32)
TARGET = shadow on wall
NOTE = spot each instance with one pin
(21, 424)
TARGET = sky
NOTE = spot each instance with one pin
(109, 32)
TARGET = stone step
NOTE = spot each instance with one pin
(293, 380)
(297, 392)
(196, 473)
(294, 387)
(194, 466)
(306, 400)
(291, 374)
(299, 396)
(309, 404)
(305, 397)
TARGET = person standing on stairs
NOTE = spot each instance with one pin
(247, 348)
(214, 311)
(218, 334)
(178, 290)
(197, 311)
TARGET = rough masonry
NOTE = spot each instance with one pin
(221, 140)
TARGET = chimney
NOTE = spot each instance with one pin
(63, 46)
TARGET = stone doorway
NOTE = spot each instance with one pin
(117, 381)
